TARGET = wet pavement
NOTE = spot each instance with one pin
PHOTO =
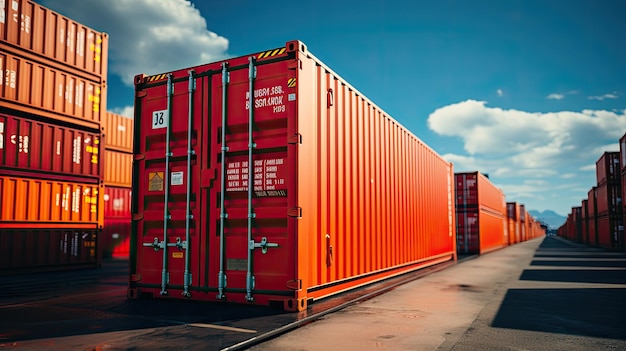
(544, 294)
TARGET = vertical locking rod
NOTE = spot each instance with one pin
(168, 154)
(189, 216)
(251, 146)
(221, 278)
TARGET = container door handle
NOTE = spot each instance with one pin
(329, 251)
(263, 245)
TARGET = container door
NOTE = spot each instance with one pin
(255, 214)
(166, 166)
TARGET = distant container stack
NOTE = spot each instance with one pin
(118, 159)
(622, 166)
(52, 93)
(609, 202)
(481, 214)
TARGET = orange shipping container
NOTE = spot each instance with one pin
(284, 185)
(118, 170)
(31, 203)
(118, 130)
(42, 90)
(45, 34)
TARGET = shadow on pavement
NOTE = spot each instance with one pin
(595, 312)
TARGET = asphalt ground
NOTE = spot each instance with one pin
(543, 294)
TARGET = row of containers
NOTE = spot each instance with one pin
(269, 179)
(599, 220)
(58, 146)
(485, 221)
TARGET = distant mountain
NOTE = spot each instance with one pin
(549, 217)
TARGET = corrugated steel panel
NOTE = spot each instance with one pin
(608, 199)
(584, 217)
(38, 89)
(341, 194)
(514, 223)
(622, 152)
(592, 202)
(118, 169)
(34, 250)
(485, 230)
(35, 203)
(119, 132)
(47, 35)
(117, 202)
(610, 233)
(608, 168)
(41, 149)
(577, 222)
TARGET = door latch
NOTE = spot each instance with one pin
(263, 245)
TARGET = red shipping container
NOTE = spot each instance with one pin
(116, 233)
(115, 237)
(41, 149)
(119, 132)
(476, 195)
(38, 89)
(513, 222)
(607, 168)
(46, 35)
(609, 199)
(622, 152)
(34, 203)
(592, 227)
(584, 217)
(592, 195)
(610, 233)
(577, 235)
(31, 250)
(302, 186)
(117, 202)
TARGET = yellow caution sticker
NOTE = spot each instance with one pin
(156, 77)
(270, 53)
(291, 82)
(177, 255)
(155, 181)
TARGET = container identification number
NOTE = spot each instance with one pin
(160, 119)
(268, 97)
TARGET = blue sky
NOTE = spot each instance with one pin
(531, 92)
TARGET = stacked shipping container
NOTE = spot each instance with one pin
(622, 167)
(118, 158)
(609, 202)
(600, 220)
(481, 214)
(52, 92)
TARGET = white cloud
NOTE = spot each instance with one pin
(532, 154)
(148, 36)
(591, 167)
(555, 96)
(613, 95)
(500, 92)
(127, 111)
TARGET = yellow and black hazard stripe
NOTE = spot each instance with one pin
(291, 82)
(271, 53)
(155, 78)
